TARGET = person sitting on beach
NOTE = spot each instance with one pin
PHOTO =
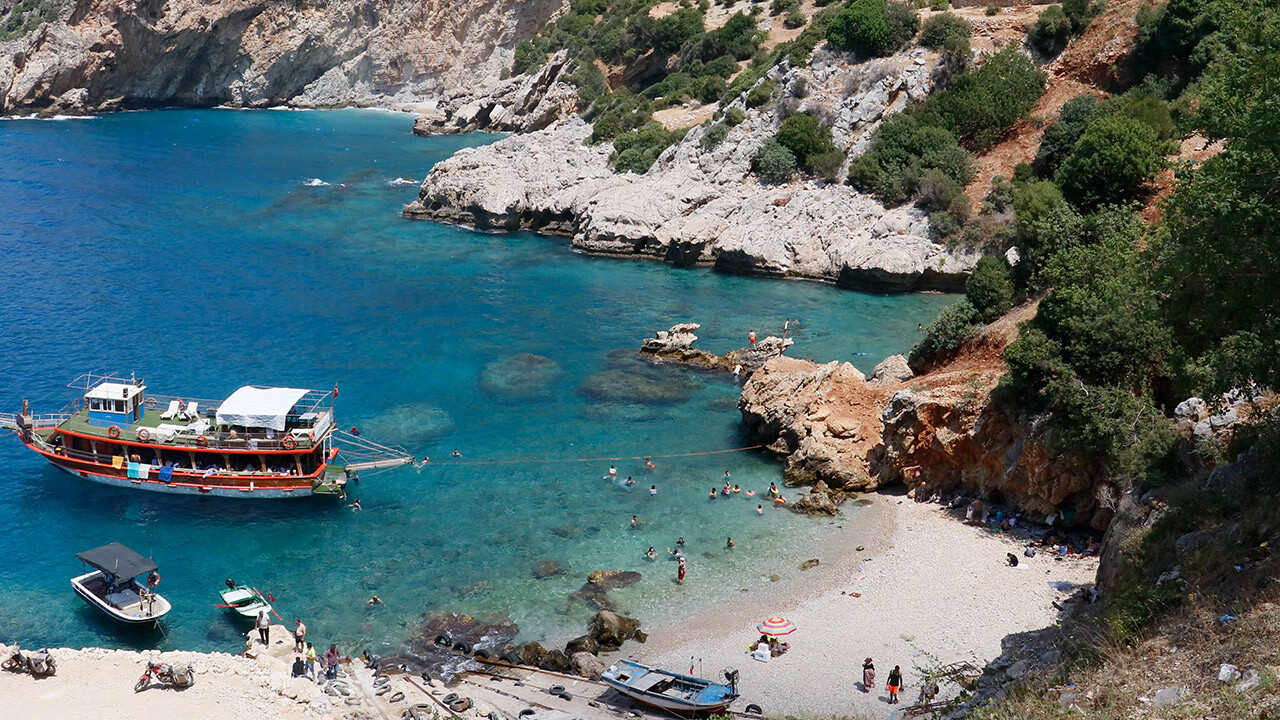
(712, 494)
(1011, 560)
(651, 553)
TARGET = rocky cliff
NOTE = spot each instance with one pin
(119, 54)
(701, 205)
(843, 432)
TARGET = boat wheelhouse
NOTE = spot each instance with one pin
(272, 442)
(113, 587)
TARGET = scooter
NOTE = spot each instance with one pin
(37, 663)
(177, 675)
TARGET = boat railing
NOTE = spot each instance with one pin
(108, 459)
(9, 421)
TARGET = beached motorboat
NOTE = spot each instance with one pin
(671, 691)
(244, 600)
(113, 587)
(270, 442)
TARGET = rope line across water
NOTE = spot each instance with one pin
(586, 459)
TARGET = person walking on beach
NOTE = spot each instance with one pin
(331, 662)
(868, 675)
(680, 570)
(299, 635)
(264, 627)
(895, 684)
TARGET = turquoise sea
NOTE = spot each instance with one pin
(206, 249)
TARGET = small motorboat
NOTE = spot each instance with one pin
(671, 691)
(113, 587)
(244, 600)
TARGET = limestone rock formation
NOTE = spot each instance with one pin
(521, 104)
(611, 629)
(702, 206)
(120, 54)
(892, 368)
(676, 345)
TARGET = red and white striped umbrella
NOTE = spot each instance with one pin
(775, 626)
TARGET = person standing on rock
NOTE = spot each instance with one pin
(299, 635)
(264, 627)
(311, 662)
(895, 684)
(331, 662)
(868, 675)
(751, 337)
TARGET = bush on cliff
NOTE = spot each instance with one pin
(1060, 137)
(636, 150)
(873, 28)
(1112, 162)
(905, 147)
(774, 163)
(989, 289)
(805, 138)
(946, 32)
(987, 100)
(944, 336)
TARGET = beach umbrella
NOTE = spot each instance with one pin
(775, 626)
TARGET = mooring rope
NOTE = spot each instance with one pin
(522, 461)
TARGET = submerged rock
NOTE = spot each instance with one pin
(613, 579)
(411, 424)
(430, 647)
(520, 377)
(642, 385)
(547, 568)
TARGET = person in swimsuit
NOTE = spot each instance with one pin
(712, 494)
(651, 554)
(629, 481)
(680, 571)
(737, 489)
(759, 509)
(649, 463)
(773, 489)
(635, 521)
(729, 545)
(680, 542)
(613, 471)
(653, 489)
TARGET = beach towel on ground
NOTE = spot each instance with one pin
(132, 470)
(117, 461)
(166, 474)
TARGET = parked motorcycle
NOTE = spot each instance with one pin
(178, 675)
(36, 663)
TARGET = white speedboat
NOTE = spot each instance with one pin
(113, 587)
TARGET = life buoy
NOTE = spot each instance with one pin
(153, 579)
(202, 441)
(289, 443)
(144, 434)
(113, 431)
(151, 403)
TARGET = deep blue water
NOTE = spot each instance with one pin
(187, 247)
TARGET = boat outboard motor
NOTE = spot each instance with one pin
(230, 583)
(731, 675)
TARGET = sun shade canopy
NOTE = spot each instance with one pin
(117, 560)
(259, 407)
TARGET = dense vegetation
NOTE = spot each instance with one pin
(25, 16)
(873, 28)
(1057, 24)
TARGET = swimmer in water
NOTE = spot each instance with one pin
(726, 474)
(680, 542)
(630, 481)
(455, 453)
(729, 544)
(653, 489)
(613, 471)
(356, 505)
(737, 489)
(635, 521)
(725, 490)
(651, 554)
(759, 509)
(375, 600)
(649, 463)
(712, 494)
(773, 489)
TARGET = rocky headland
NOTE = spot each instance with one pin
(102, 55)
(699, 204)
(676, 346)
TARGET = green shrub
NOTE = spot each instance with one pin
(945, 335)
(992, 10)
(1113, 161)
(937, 190)
(904, 148)
(738, 37)
(987, 100)
(778, 7)
(939, 5)
(804, 137)
(827, 165)
(946, 31)
(672, 31)
(714, 135)
(760, 94)
(1060, 137)
(873, 27)
(774, 163)
(989, 288)
(1178, 37)
(795, 19)
(1051, 31)
(709, 89)
(636, 150)
(590, 82)
(526, 57)
(802, 47)
(734, 116)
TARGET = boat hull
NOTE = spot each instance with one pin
(184, 488)
(112, 612)
(666, 703)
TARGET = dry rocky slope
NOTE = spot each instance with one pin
(120, 54)
(698, 205)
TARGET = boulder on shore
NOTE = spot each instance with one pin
(587, 665)
(610, 629)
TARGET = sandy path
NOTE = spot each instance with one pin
(931, 585)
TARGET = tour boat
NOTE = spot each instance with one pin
(671, 691)
(246, 601)
(113, 587)
(262, 442)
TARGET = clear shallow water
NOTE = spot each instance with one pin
(189, 247)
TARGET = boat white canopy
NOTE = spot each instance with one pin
(259, 407)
